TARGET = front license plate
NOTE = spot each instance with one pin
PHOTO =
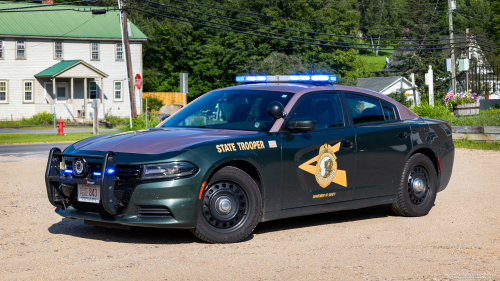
(89, 193)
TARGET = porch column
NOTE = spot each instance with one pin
(54, 91)
(85, 97)
(102, 90)
(71, 90)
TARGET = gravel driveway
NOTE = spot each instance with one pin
(459, 239)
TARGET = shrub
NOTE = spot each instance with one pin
(154, 104)
(401, 98)
(438, 111)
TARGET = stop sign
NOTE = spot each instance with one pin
(138, 81)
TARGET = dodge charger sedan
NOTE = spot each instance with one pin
(271, 147)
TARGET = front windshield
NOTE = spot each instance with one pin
(230, 109)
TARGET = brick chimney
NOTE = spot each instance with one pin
(48, 2)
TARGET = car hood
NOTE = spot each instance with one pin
(157, 140)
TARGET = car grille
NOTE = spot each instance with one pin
(126, 180)
(154, 211)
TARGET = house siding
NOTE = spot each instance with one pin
(40, 56)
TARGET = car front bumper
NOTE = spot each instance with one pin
(154, 203)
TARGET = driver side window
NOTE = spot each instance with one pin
(324, 108)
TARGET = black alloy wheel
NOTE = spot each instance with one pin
(230, 207)
(418, 187)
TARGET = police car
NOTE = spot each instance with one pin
(271, 147)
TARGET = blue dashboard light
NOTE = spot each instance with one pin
(110, 171)
(333, 78)
(68, 171)
(240, 78)
(293, 78)
(305, 77)
(97, 174)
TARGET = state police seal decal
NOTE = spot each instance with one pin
(325, 170)
(326, 167)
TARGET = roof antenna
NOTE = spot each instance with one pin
(312, 65)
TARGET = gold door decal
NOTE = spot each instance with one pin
(325, 171)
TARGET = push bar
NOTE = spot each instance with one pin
(53, 179)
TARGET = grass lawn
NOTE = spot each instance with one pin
(477, 145)
(30, 138)
(375, 63)
(67, 127)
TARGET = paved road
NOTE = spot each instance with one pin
(40, 149)
(39, 131)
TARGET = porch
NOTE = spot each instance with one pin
(69, 89)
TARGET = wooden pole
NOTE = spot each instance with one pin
(128, 59)
(450, 23)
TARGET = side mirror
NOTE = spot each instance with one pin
(276, 110)
(165, 117)
(301, 124)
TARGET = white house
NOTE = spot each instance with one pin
(386, 85)
(78, 53)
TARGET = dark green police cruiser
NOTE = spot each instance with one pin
(272, 147)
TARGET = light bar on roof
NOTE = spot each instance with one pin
(287, 78)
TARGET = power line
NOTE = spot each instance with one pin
(282, 39)
(283, 35)
(226, 50)
(276, 17)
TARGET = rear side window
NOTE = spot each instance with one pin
(389, 112)
(364, 109)
(324, 108)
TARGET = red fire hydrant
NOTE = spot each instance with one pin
(60, 124)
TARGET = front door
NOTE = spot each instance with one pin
(62, 96)
(383, 143)
(318, 166)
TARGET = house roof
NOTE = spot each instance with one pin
(64, 65)
(379, 84)
(65, 23)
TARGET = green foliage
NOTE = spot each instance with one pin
(140, 122)
(114, 119)
(154, 104)
(484, 118)
(438, 111)
(401, 98)
(42, 118)
(469, 144)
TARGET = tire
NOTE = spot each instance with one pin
(230, 207)
(415, 200)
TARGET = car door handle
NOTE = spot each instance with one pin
(403, 135)
(347, 144)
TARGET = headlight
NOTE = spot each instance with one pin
(167, 170)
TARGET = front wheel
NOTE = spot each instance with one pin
(418, 188)
(230, 207)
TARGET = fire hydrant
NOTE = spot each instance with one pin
(60, 124)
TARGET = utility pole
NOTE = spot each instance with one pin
(450, 21)
(128, 59)
(467, 42)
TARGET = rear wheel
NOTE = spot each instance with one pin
(230, 207)
(418, 188)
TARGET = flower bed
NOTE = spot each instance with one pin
(464, 103)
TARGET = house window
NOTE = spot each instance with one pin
(119, 51)
(93, 90)
(1, 49)
(28, 91)
(118, 90)
(95, 51)
(3, 91)
(58, 50)
(20, 49)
